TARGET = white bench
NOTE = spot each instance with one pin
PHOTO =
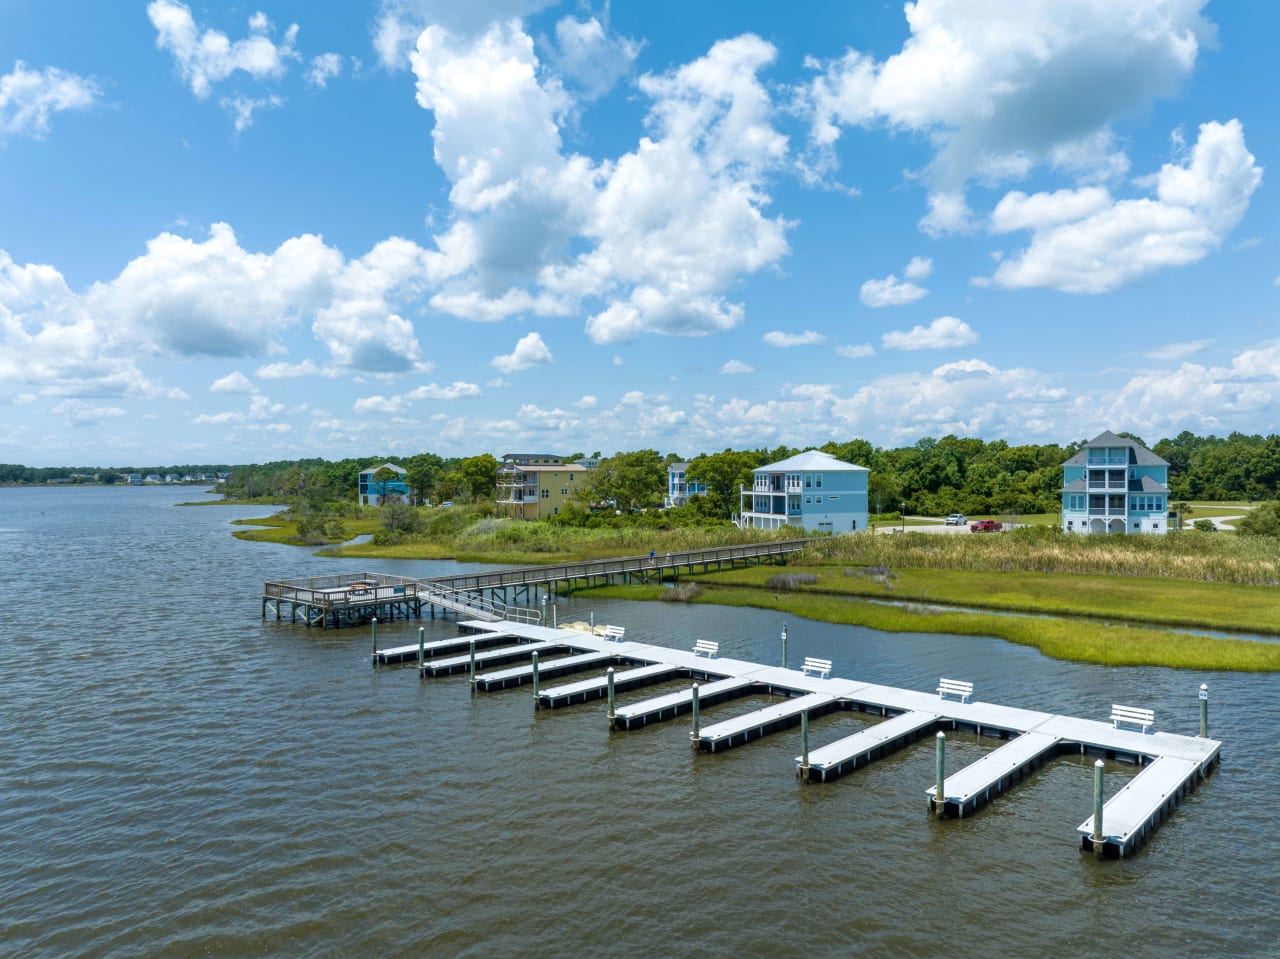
(1133, 715)
(614, 633)
(705, 647)
(819, 667)
(955, 687)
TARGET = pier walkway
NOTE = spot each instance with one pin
(506, 595)
(1173, 764)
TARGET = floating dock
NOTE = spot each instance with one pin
(1173, 764)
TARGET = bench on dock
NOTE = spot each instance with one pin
(955, 687)
(614, 633)
(1133, 715)
(817, 667)
(705, 647)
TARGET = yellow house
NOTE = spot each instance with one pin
(534, 485)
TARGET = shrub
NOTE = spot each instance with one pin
(791, 580)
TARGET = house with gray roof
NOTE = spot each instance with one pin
(811, 490)
(1115, 485)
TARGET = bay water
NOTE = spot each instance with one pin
(180, 777)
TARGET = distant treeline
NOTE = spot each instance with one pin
(13, 474)
(932, 477)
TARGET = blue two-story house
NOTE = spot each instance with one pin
(680, 487)
(811, 490)
(1115, 485)
(387, 483)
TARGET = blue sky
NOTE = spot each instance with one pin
(240, 233)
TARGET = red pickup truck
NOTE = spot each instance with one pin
(985, 526)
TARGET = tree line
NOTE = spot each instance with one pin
(931, 477)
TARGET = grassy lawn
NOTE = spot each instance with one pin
(278, 529)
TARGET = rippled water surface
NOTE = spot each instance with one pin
(181, 778)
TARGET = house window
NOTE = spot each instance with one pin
(546, 494)
(808, 480)
(818, 499)
(809, 500)
(1155, 525)
(833, 497)
(817, 480)
(564, 491)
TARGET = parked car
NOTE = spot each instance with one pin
(985, 526)
(957, 519)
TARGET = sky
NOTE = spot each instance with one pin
(237, 233)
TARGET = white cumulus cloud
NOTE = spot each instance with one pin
(28, 98)
(207, 57)
(737, 366)
(530, 351)
(1085, 242)
(944, 332)
(783, 339)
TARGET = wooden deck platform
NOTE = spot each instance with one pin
(1175, 764)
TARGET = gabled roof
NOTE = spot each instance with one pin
(384, 466)
(1141, 455)
(1075, 486)
(813, 461)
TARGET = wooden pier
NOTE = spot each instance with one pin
(508, 595)
(1173, 764)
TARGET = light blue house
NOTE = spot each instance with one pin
(1115, 485)
(376, 492)
(811, 490)
(680, 487)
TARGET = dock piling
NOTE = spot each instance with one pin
(1097, 809)
(940, 770)
(804, 740)
(375, 642)
(784, 645)
(535, 675)
(422, 647)
(696, 734)
(613, 714)
(1204, 710)
(473, 663)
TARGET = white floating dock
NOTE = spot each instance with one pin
(865, 746)
(1175, 763)
(598, 687)
(550, 668)
(975, 785)
(1132, 814)
(761, 722)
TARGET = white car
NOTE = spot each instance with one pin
(957, 519)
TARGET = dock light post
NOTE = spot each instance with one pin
(375, 642)
(535, 677)
(940, 770)
(612, 712)
(473, 662)
(784, 645)
(422, 646)
(1204, 710)
(695, 735)
(804, 744)
(544, 609)
(1097, 808)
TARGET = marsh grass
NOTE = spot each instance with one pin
(1105, 644)
(1216, 558)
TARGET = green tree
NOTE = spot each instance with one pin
(479, 476)
(1262, 520)
(724, 474)
(423, 472)
(632, 481)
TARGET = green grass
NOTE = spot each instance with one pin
(1143, 600)
(1099, 643)
(281, 529)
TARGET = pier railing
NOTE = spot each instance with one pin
(534, 575)
(337, 589)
